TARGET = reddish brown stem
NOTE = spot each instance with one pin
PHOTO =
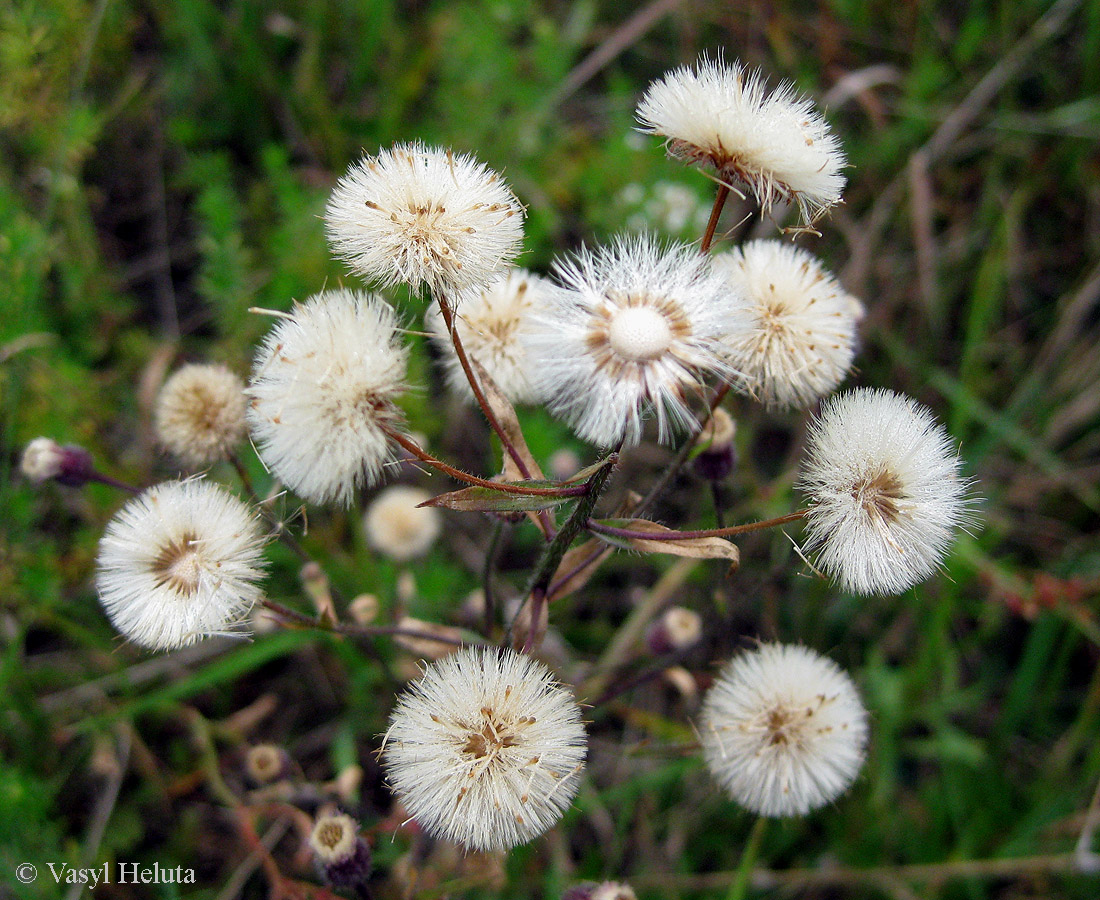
(351, 630)
(684, 452)
(715, 214)
(630, 534)
(479, 395)
(425, 457)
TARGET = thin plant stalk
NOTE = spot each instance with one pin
(715, 214)
(479, 395)
(555, 550)
(631, 534)
(505, 488)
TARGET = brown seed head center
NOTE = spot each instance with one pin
(178, 565)
(495, 734)
(880, 496)
(330, 834)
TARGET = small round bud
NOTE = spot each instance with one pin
(342, 855)
(45, 460)
(364, 609)
(425, 647)
(564, 463)
(593, 890)
(200, 414)
(266, 763)
(719, 456)
(677, 629)
(398, 526)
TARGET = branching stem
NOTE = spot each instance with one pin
(631, 534)
(425, 457)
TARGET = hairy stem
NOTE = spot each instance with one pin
(683, 453)
(555, 550)
(479, 395)
(425, 457)
(715, 214)
(630, 534)
(495, 540)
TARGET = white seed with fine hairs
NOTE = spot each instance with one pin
(783, 730)
(885, 494)
(322, 393)
(486, 749)
(178, 563)
(423, 215)
(493, 323)
(634, 330)
(774, 142)
(200, 414)
(803, 323)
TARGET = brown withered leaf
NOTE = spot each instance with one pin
(577, 566)
(506, 414)
(696, 548)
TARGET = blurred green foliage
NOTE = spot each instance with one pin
(163, 168)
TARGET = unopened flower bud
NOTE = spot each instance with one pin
(564, 463)
(364, 609)
(266, 763)
(424, 647)
(719, 456)
(316, 585)
(45, 460)
(398, 527)
(593, 890)
(342, 855)
(677, 629)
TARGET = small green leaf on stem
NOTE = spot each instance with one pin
(485, 499)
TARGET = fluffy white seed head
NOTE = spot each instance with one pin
(774, 142)
(486, 749)
(884, 490)
(493, 324)
(178, 563)
(783, 730)
(397, 526)
(422, 215)
(634, 330)
(323, 387)
(803, 323)
(200, 414)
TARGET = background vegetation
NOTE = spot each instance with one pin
(163, 167)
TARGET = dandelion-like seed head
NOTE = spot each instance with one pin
(398, 526)
(885, 494)
(334, 837)
(803, 324)
(343, 857)
(422, 215)
(774, 142)
(493, 324)
(178, 563)
(486, 749)
(200, 414)
(634, 330)
(265, 763)
(783, 730)
(322, 394)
